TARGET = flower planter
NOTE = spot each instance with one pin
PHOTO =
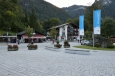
(32, 47)
(66, 46)
(57, 46)
(12, 47)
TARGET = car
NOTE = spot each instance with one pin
(84, 42)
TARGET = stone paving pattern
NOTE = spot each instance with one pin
(42, 62)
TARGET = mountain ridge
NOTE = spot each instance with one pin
(108, 6)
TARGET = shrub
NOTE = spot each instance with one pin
(57, 42)
(32, 42)
(97, 44)
(110, 46)
(66, 44)
(58, 45)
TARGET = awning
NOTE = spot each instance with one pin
(8, 36)
(35, 36)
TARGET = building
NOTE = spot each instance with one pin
(67, 31)
(8, 38)
(36, 38)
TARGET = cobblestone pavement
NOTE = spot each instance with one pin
(44, 62)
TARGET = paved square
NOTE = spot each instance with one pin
(42, 62)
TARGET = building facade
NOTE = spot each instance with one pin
(67, 31)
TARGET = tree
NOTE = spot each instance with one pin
(29, 31)
(69, 20)
(53, 32)
(50, 23)
(11, 15)
(34, 22)
(108, 27)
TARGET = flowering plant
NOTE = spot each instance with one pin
(31, 46)
(12, 47)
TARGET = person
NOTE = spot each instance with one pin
(53, 41)
(18, 41)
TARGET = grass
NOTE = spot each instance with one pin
(94, 48)
(4, 32)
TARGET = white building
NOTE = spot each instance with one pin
(67, 31)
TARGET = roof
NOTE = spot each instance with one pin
(62, 25)
(23, 32)
(34, 36)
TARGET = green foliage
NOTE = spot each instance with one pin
(57, 42)
(108, 27)
(88, 34)
(66, 44)
(69, 20)
(53, 32)
(29, 31)
(110, 46)
(11, 15)
(89, 16)
(34, 22)
(58, 45)
(97, 44)
(44, 10)
(50, 23)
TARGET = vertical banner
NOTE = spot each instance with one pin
(97, 21)
(81, 25)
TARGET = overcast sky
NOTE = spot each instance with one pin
(66, 3)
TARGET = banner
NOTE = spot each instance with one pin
(81, 25)
(97, 21)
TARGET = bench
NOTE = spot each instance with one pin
(52, 48)
(77, 51)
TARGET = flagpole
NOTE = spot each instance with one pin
(93, 30)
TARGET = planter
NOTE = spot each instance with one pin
(32, 47)
(66, 46)
(12, 47)
(58, 45)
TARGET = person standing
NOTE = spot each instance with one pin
(18, 41)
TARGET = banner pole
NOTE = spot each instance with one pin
(93, 31)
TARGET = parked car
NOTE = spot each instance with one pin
(90, 43)
(84, 42)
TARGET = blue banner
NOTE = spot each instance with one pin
(97, 21)
(81, 25)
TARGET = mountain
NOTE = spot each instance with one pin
(44, 10)
(75, 10)
(108, 9)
